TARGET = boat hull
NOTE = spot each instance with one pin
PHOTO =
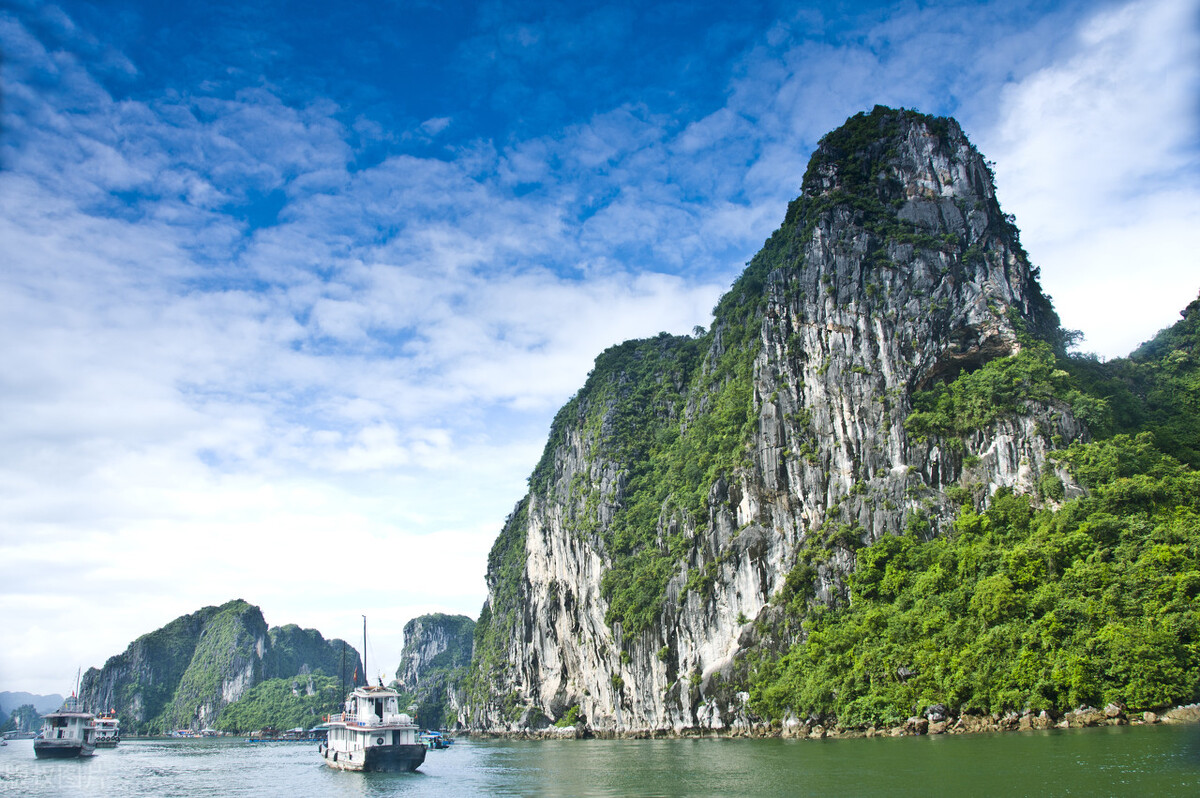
(62, 749)
(377, 758)
(108, 742)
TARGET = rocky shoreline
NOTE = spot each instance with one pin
(935, 720)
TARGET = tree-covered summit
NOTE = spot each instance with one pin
(857, 156)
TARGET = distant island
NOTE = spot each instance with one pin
(21, 713)
(42, 703)
(222, 668)
(434, 666)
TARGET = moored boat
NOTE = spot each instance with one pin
(68, 733)
(435, 740)
(108, 729)
(372, 734)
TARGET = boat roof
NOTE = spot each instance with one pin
(370, 691)
(68, 713)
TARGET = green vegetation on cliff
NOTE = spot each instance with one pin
(431, 681)
(282, 704)
(861, 147)
(677, 413)
(184, 674)
(1018, 607)
(1025, 605)
(227, 649)
(634, 402)
(1156, 389)
(1027, 601)
(999, 389)
(500, 615)
(142, 682)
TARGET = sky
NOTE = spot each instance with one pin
(290, 292)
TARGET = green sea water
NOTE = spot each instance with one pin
(1120, 761)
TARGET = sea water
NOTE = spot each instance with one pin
(1118, 761)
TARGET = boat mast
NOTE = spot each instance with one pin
(366, 679)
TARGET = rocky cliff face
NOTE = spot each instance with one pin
(184, 674)
(293, 651)
(433, 643)
(437, 652)
(691, 477)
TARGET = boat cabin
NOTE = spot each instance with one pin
(372, 706)
(68, 726)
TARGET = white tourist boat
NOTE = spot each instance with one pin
(108, 729)
(68, 733)
(372, 734)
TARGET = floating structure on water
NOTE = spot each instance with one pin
(297, 735)
(108, 729)
(372, 734)
(435, 740)
(66, 734)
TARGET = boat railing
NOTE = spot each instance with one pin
(353, 720)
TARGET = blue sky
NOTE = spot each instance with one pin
(291, 292)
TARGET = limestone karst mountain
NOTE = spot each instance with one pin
(433, 664)
(696, 485)
(184, 674)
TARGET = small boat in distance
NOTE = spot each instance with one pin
(108, 729)
(435, 740)
(68, 733)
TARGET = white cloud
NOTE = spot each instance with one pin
(202, 413)
(435, 125)
(1096, 156)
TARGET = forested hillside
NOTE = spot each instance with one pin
(195, 669)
